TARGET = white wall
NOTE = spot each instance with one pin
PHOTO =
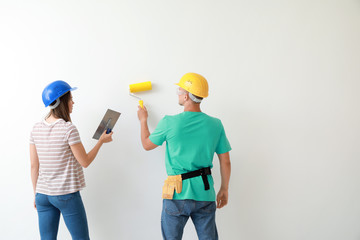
(284, 79)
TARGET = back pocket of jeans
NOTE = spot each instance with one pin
(67, 197)
(206, 206)
(174, 207)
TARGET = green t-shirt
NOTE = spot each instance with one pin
(191, 138)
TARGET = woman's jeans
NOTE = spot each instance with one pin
(72, 209)
(175, 214)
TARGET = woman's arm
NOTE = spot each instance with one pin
(85, 159)
(34, 160)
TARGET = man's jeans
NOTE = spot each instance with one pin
(72, 209)
(175, 214)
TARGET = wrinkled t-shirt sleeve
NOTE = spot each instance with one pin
(72, 135)
(223, 145)
(159, 135)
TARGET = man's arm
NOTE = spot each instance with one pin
(145, 133)
(225, 171)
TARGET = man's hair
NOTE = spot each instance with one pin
(62, 111)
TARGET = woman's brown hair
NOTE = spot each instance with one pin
(62, 111)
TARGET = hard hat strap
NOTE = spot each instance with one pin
(56, 104)
(195, 99)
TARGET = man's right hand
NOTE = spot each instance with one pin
(142, 113)
(222, 198)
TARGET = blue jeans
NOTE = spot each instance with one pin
(72, 209)
(175, 214)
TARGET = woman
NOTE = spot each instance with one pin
(57, 158)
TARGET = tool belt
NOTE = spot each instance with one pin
(175, 182)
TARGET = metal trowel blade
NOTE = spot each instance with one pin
(108, 121)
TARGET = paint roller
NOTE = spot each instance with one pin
(140, 87)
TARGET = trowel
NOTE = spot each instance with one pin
(107, 123)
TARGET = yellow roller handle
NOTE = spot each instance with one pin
(141, 103)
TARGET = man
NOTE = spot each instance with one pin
(192, 138)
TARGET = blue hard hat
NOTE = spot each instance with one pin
(55, 90)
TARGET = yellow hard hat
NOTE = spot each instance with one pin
(194, 83)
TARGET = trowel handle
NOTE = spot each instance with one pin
(141, 103)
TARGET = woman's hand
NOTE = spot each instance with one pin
(105, 138)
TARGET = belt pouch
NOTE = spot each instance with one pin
(172, 183)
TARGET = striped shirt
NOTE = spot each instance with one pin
(59, 172)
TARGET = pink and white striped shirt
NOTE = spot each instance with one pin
(59, 172)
